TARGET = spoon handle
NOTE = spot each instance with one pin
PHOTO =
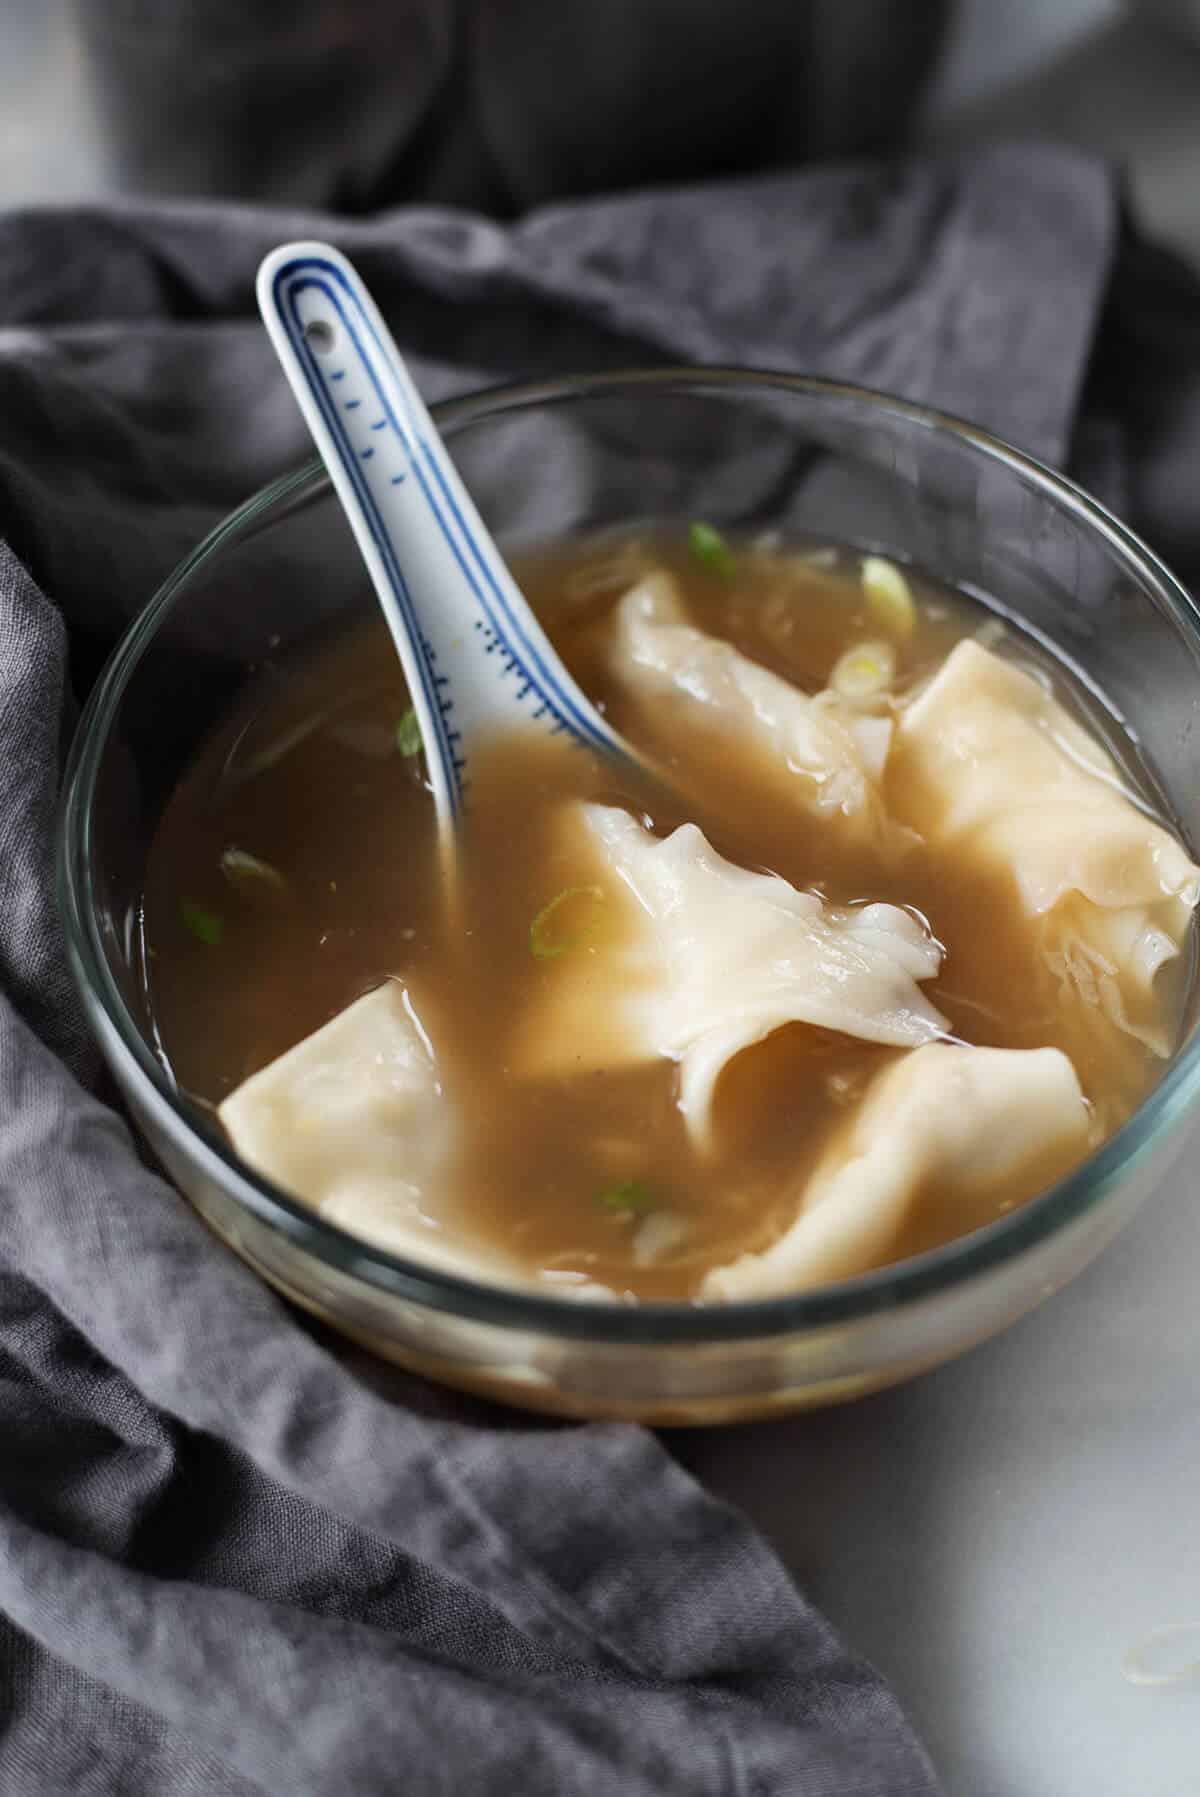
(475, 658)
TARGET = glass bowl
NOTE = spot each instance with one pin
(750, 452)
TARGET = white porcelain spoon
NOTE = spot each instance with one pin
(476, 660)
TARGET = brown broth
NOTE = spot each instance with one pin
(309, 780)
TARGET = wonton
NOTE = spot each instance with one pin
(355, 1120)
(706, 958)
(966, 1121)
(1001, 772)
(816, 752)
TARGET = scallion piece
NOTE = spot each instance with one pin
(710, 549)
(246, 873)
(206, 926)
(632, 1198)
(408, 734)
(547, 937)
(889, 596)
(864, 672)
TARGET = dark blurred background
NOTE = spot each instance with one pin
(503, 104)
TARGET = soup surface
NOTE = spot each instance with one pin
(295, 869)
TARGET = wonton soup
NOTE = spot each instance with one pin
(906, 940)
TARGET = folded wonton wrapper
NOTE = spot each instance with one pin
(818, 753)
(354, 1121)
(999, 770)
(706, 958)
(964, 1120)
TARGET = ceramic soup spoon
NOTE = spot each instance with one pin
(476, 660)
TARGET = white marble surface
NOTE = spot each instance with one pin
(997, 1536)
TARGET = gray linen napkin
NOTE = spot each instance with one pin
(499, 106)
(231, 1560)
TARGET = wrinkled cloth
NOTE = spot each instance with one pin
(233, 1560)
(497, 104)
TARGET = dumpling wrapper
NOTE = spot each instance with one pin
(706, 958)
(999, 770)
(968, 1120)
(819, 754)
(354, 1120)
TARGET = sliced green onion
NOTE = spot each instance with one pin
(205, 926)
(889, 597)
(864, 671)
(408, 734)
(246, 873)
(633, 1198)
(545, 943)
(710, 549)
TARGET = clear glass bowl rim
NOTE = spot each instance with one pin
(849, 1301)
